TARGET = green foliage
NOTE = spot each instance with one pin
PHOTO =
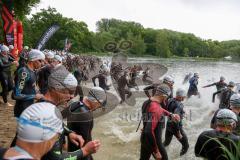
(162, 45)
(20, 7)
(100, 39)
(76, 32)
(229, 153)
(23, 7)
(138, 47)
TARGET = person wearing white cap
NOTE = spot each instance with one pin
(49, 56)
(175, 106)
(57, 61)
(38, 128)
(213, 144)
(235, 107)
(25, 82)
(61, 89)
(81, 121)
(170, 82)
(26, 48)
(6, 79)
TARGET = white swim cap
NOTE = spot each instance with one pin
(39, 122)
(4, 48)
(97, 93)
(58, 58)
(35, 55)
(50, 55)
(61, 78)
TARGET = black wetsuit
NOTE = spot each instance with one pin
(102, 79)
(225, 97)
(24, 90)
(81, 122)
(173, 128)
(6, 79)
(193, 89)
(207, 146)
(43, 75)
(56, 152)
(133, 77)
(219, 85)
(80, 76)
(146, 76)
(115, 71)
(122, 84)
(236, 130)
(151, 140)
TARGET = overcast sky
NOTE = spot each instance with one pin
(208, 19)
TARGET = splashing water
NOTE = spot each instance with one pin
(117, 129)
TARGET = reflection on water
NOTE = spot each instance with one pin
(117, 129)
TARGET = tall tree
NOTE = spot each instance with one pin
(162, 45)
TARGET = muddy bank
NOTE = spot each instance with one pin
(7, 124)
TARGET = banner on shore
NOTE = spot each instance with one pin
(46, 36)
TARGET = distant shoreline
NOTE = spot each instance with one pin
(104, 54)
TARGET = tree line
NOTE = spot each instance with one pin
(145, 41)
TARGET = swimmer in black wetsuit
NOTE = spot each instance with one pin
(102, 79)
(219, 85)
(208, 143)
(175, 106)
(116, 70)
(226, 93)
(123, 82)
(82, 122)
(235, 107)
(44, 72)
(6, 61)
(62, 85)
(25, 91)
(80, 75)
(146, 78)
(25, 83)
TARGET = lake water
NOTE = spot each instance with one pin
(117, 129)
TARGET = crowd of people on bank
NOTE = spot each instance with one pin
(42, 83)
